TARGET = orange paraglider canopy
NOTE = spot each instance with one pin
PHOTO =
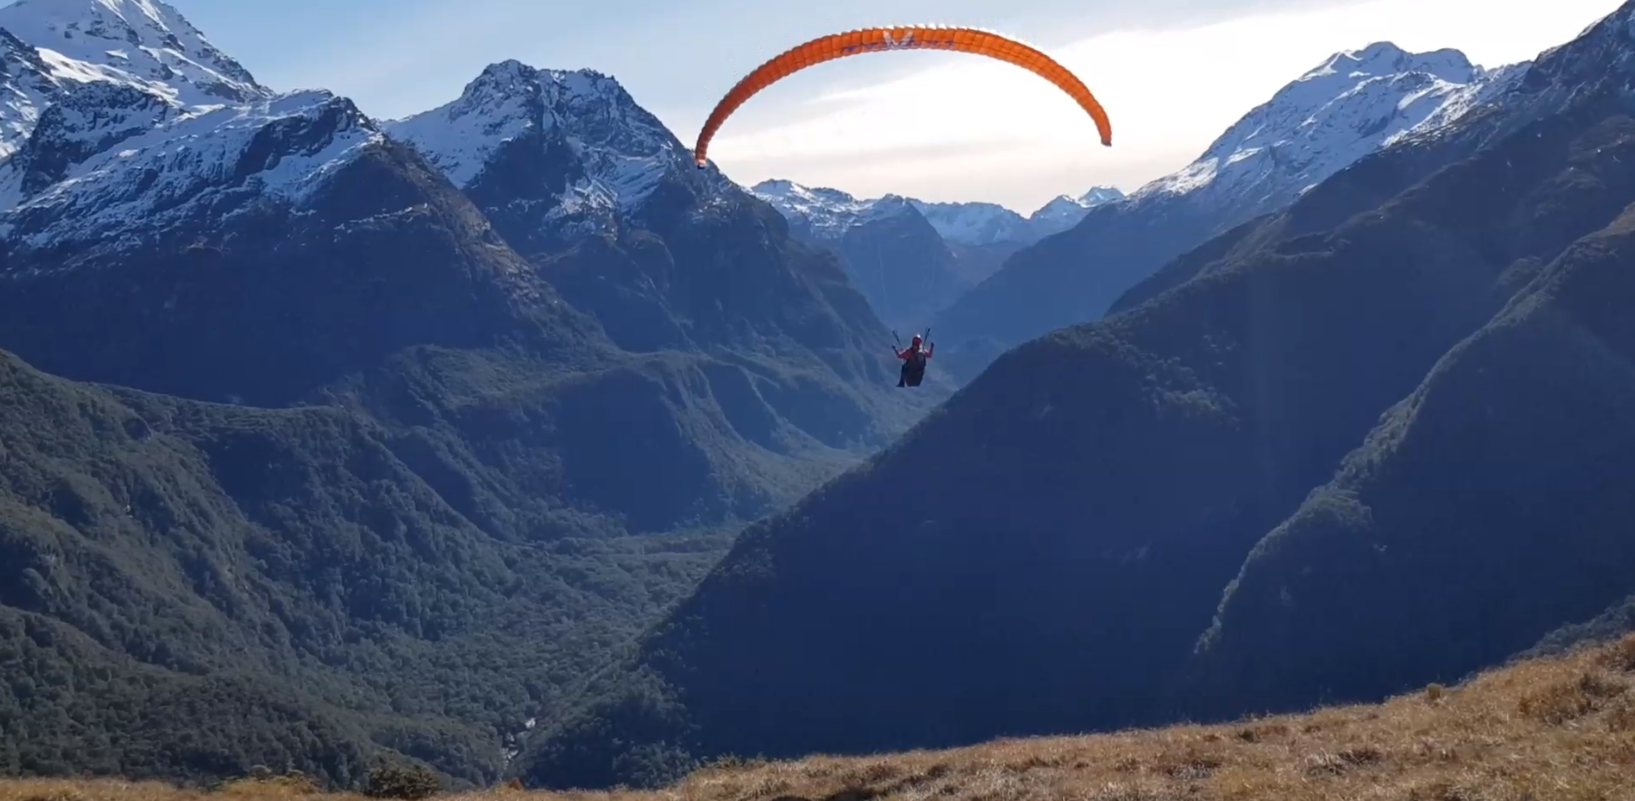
(910, 37)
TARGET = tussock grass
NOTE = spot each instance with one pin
(1558, 729)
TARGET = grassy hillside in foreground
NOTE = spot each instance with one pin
(1557, 728)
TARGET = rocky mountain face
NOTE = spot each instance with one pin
(25, 78)
(1367, 442)
(888, 248)
(1353, 104)
(376, 446)
(898, 260)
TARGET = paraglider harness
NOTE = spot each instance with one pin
(913, 371)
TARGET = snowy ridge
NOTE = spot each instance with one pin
(974, 223)
(142, 42)
(1064, 211)
(829, 213)
(1489, 87)
(1353, 104)
(121, 121)
(26, 87)
(112, 164)
(1600, 62)
(887, 207)
(1604, 52)
(86, 121)
(623, 150)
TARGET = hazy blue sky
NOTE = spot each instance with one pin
(1172, 73)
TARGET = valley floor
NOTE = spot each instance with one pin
(1557, 728)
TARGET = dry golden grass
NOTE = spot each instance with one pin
(1549, 730)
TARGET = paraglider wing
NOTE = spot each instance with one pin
(911, 37)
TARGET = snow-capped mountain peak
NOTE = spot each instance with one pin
(144, 42)
(1352, 104)
(120, 124)
(889, 206)
(503, 101)
(1099, 195)
(1387, 58)
(826, 212)
(1065, 211)
(623, 150)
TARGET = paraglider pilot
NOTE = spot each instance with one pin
(914, 357)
